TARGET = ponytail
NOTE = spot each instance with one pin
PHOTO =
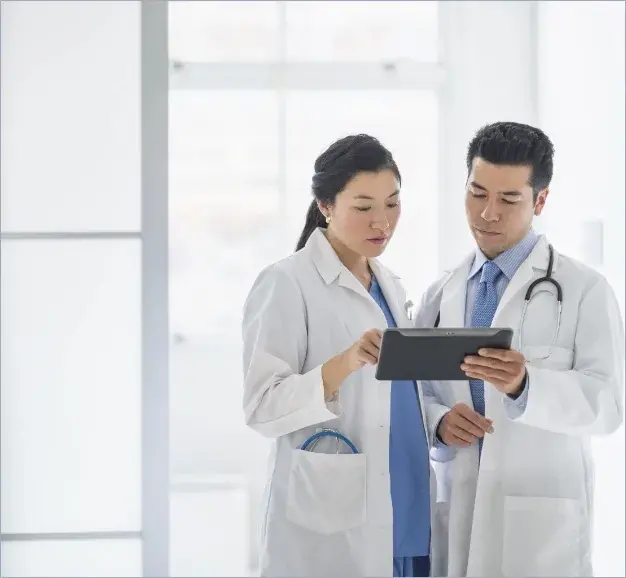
(314, 219)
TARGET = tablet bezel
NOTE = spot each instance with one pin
(435, 358)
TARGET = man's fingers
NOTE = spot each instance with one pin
(461, 434)
(452, 440)
(474, 417)
(459, 442)
(475, 361)
(490, 375)
(479, 363)
(502, 354)
(468, 426)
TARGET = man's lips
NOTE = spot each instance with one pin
(486, 233)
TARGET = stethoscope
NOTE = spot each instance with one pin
(559, 301)
(311, 442)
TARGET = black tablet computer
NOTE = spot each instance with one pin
(435, 353)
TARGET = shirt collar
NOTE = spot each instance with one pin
(508, 261)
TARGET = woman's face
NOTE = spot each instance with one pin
(365, 214)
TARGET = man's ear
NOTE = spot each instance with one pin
(541, 201)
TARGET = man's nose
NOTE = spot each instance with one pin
(490, 212)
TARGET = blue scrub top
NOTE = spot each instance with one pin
(409, 468)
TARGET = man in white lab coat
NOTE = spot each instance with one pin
(512, 444)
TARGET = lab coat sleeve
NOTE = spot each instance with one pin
(588, 399)
(517, 405)
(435, 409)
(278, 399)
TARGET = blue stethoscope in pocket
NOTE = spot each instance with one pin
(311, 442)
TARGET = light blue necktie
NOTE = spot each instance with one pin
(482, 316)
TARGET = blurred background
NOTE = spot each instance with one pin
(156, 155)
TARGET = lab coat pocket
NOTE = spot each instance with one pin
(541, 356)
(327, 492)
(541, 537)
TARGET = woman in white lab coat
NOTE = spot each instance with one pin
(311, 330)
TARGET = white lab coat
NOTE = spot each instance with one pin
(325, 514)
(527, 511)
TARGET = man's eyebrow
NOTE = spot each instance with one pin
(510, 193)
(477, 186)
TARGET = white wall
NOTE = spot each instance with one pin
(581, 107)
(70, 300)
(84, 280)
(560, 66)
(71, 313)
(487, 49)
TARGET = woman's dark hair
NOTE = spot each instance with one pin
(336, 167)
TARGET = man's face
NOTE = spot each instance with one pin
(499, 205)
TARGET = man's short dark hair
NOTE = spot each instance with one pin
(512, 143)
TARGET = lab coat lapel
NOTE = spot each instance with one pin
(452, 310)
(387, 282)
(358, 317)
(349, 281)
(330, 267)
(537, 260)
(508, 314)
(452, 305)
